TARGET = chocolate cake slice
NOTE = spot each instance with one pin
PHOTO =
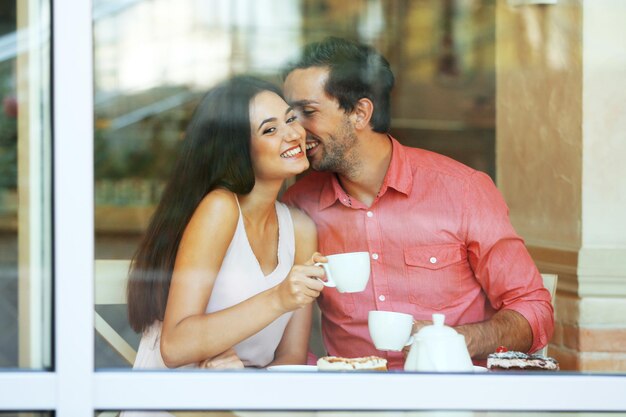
(520, 361)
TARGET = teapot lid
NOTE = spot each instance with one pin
(437, 329)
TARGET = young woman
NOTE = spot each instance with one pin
(224, 276)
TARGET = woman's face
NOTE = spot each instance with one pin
(278, 139)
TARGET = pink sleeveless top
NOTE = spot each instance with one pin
(239, 278)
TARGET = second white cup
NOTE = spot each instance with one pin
(390, 330)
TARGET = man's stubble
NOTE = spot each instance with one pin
(340, 153)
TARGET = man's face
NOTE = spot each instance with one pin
(331, 138)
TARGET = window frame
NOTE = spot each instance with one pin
(74, 387)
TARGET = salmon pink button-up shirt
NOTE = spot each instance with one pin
(440, 241)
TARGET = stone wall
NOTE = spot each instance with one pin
(561, 97)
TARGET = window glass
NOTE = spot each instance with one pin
(153, 60)
(25, 200)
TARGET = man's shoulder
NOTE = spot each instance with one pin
(436, 163)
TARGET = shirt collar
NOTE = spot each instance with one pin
(398, 177)
(399, 174)
(331, 192)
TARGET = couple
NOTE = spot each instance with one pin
(225, 275)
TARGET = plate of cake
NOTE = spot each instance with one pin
(505, 360)
(337, 363)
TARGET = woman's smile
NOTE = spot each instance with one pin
(293, 152)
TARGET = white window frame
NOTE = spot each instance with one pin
(75, 389)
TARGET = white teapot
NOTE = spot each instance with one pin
(438, 348)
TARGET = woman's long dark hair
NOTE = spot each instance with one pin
(215, 154)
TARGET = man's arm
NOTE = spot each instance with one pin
(506, 328)
(524, 319)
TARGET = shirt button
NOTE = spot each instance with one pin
(374, 256)
(433, 260)
(381, 297)
(370, 214)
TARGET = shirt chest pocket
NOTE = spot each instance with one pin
(435, 274)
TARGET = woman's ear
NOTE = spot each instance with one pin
(363, 113)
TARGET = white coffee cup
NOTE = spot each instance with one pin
(349, 272)
(390, 330)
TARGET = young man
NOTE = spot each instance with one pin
(437, 231)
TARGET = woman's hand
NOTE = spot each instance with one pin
(302, 286)
(315, 258)
(225, 360)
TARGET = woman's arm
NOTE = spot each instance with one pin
(190, 335)
(294, 346)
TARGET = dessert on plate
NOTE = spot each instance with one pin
(336, 363)
(505, 360)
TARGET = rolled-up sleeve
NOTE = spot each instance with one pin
(501, 262)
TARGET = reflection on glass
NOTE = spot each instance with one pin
(25, 200)
(153, 60)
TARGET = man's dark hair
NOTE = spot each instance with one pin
(355, 71)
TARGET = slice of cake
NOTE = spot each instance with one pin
(504, 360)
(336, 363)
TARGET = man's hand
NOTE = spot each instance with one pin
(225, 360)
(417, 325)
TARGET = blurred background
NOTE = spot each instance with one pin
(155, 59)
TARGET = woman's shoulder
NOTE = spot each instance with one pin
(219, 199)
(302, 223)
(219, 206)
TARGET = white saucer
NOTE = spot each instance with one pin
(294, 368)
(480, 369)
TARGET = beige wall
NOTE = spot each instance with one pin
(539, 120)
(560, 146)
